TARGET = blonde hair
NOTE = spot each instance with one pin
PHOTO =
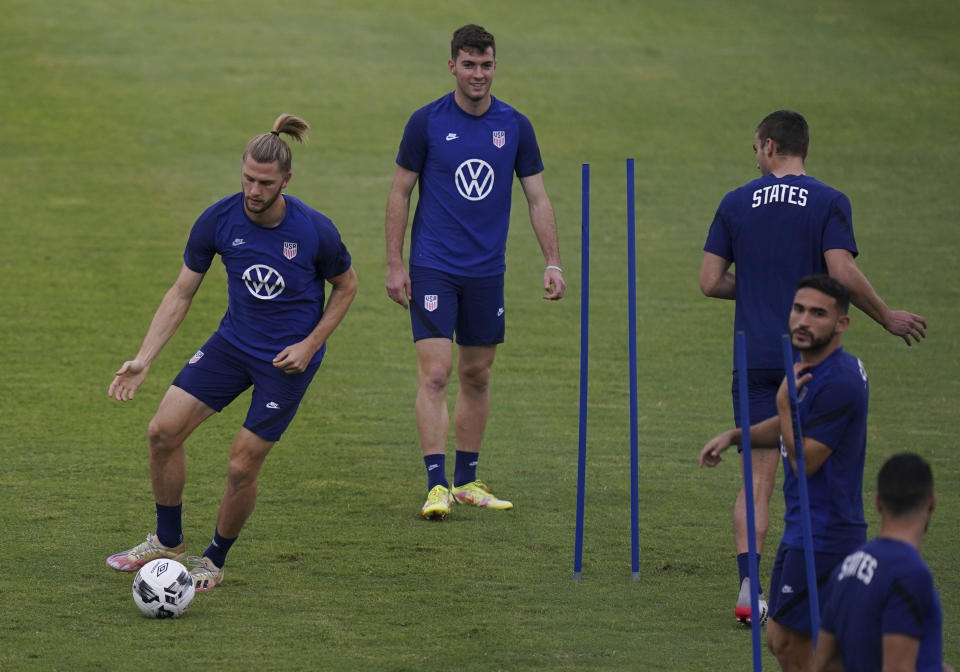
(270, 147)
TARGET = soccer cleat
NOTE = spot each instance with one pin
(133, 559)
(206, 575)
(437, 505)
(478, 494)
(742, 611)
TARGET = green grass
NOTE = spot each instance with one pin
(121, 121)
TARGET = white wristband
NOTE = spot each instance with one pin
(556, 268)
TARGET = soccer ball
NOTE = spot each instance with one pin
(163, 589)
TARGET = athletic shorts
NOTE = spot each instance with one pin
(220, 372)
(788, 599)
(443, 304)
(762, 386)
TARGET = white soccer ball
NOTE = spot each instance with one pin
(163, 589)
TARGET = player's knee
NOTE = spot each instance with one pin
(435, 379)
(161, 437)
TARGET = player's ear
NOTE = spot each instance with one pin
(842, 323)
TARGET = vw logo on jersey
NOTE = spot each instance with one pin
(474, 179)
(263, 282)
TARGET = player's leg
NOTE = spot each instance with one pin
(178, 415)
(480, 327)
(434, 365)
(176, 418)
(792, 649)
(433, 313)
(473, 398)
(762, 390)
(274, 403)
(764, 461)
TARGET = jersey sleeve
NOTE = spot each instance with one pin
(529, 161)
(719, 240)
(333, 258)
(831, 411)
(838, 227)
(909, 605)
(412, 154)
(202, 243)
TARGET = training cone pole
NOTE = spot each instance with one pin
(740, 364)
(813, 598)
(584, 342)
(632, 340)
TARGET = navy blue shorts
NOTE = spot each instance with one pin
(788, 599)
(220, 372)
(762, 386)
(443, 304)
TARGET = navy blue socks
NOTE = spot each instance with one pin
(436, 471)
(217, 550)
(743, 566)
(465, 470)
(169, 529)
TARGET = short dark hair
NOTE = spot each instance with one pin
(905, 483)
(471, 37)
(788, 130)
(829, 286)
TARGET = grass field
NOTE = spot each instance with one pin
(121, 121)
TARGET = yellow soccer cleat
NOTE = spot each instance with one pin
(437, 506)
(478, 494)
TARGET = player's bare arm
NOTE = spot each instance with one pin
(716, 280)
(398, 211)
(173, 308)
(296, 358)
(842, 266)
(544, 224)
(763, 433)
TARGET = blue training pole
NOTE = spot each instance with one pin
(584, 341)
(632, 339)
(740, 356)
(814, 600)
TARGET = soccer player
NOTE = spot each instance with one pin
(832, 399)
(463, 150)
(775, 230)
(884, 611)
(278, 254)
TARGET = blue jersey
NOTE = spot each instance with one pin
(275, 277)
(466, 165)
(832, 408)
(775, 231)
(885, 587)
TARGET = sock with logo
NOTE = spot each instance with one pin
(465, 469)
(217, 550)
(169, 530)
(743, 566)
(436, 470)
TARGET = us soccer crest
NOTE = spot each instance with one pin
(289, 250)
(430, 302)
(499, 138)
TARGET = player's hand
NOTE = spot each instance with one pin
(906, 325)
(801, 376)
(399, 287)
(127, 380)
(553, 284)
(294, 358)
(710, 453)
